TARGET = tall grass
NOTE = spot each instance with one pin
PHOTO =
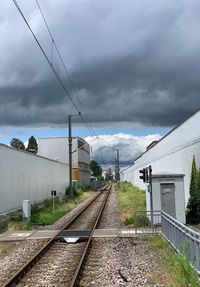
(131, 199)
(176, 270)
(46, 215)
(182, 273)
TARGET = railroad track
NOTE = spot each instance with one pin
(58, 263)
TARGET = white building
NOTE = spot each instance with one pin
(172, 154)
(24, 175)
(57, 149)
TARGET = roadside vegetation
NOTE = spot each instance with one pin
(131, 199)
(174, 269)
(193, 206)
(44, 215)
(3, 248)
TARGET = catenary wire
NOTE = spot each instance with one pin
(52, 67)
(91, 130)
(45, 55)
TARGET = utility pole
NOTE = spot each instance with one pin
(117, 164)
(118, 177)
(70, 154)
(70, 157)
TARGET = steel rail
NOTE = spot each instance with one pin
(75, 279)
(24, 268)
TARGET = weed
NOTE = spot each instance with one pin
(131, 199)
(140, 220)
(3, 249)
(46, 215)
(175, 268)
(3, 225)
(16, 216)
(17, 225)
(181, 271)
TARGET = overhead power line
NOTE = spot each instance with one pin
(50, 63)
(86, 122)
(66, 70)
(45, 55)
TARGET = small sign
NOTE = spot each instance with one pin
(75, 173)
(53, 192)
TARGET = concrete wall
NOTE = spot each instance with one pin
(173, 154)
(27, 176)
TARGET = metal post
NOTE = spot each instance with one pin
(53, 198)
(118, 178)
(117, 166)
(70, 157)
(151, 193)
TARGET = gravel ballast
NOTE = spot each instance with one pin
(118, 261)
(21, 252)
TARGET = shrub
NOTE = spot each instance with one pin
(141, 220)
(193, 206)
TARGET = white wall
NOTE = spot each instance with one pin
(58, 149)
(173, 154)
(27, 176)
(179, 195)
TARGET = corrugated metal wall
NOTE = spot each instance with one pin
(26, 176)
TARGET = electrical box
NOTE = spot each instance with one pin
(26, 209)
(168, 195)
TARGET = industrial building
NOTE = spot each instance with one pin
(26, 176)
(57, 149)
(171, 156)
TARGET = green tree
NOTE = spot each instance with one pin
(96, 169)
(16, 143)
(193, 207)
(32, 145)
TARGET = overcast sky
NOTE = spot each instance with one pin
(133, 63)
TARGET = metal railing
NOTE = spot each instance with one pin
(147, 222)
(183, 239)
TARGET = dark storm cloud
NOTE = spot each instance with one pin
(131, 62)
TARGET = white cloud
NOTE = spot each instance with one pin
(130, 146)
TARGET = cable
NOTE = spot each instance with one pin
(86, 122)
(65, 68)
(93, 133)
(45, 55)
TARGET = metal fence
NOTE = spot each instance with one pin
(182, 238)
(147, 222)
